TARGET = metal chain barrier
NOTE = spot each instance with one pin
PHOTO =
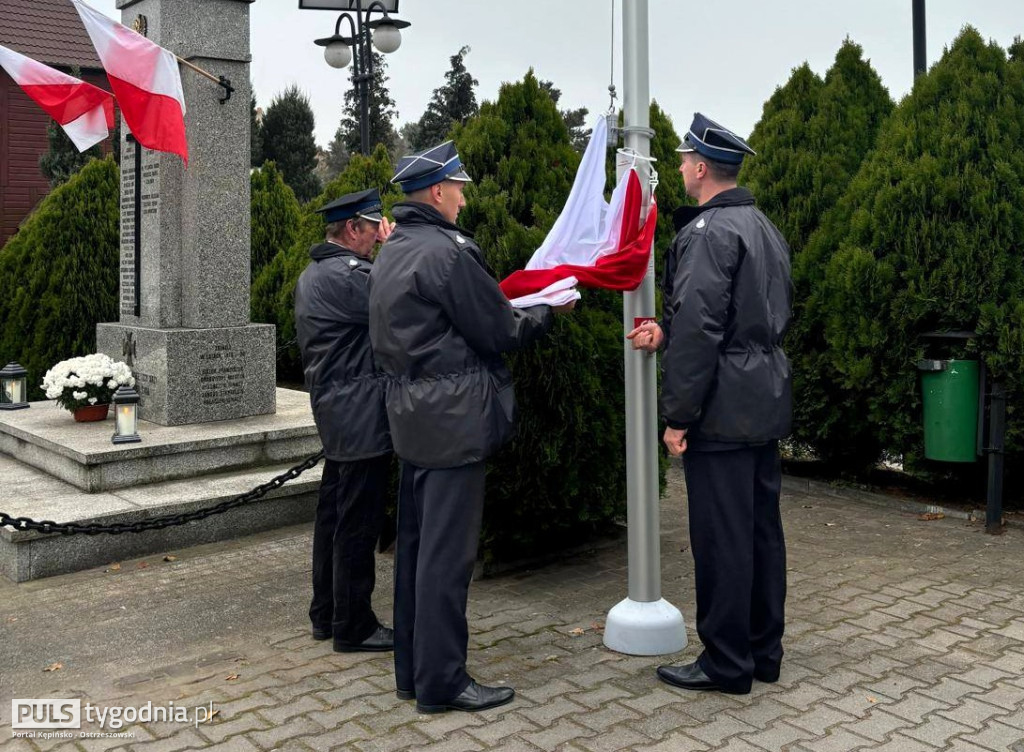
(158, 523)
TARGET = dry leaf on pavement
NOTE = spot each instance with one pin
(170, 558)
(54, 667)
(579, 631)
(928, 516)
(232, 677)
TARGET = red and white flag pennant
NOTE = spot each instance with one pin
(84, 111)
(145, 79)
(593, 243)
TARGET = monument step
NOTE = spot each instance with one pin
(45, 437)
(29, 492)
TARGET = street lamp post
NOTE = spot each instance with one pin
(385, 33)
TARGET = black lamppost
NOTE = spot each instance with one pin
(920, 55)
(385, 32)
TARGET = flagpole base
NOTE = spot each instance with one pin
(636, 628)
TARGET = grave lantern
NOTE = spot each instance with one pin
(126, 415)
(13, 387)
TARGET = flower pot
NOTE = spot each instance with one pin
(91, 412)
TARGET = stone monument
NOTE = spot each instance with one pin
(184, 316)
(184, 328)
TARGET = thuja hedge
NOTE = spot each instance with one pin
(929, 235)
(59, 273)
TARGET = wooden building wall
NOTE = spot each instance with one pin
(22, 142)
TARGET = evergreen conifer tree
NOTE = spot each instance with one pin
(670, 192)
(782, 174)
(62, 159)
(288, 141)
(451, 104)
(381, 108)
(338, 156)
(575, 120)
(275, 214)
(563, 477)
(255, 133)
(59, 273)
(273, 290)
(927, 237)
(811, 140)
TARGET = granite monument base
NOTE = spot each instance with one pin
(47, 461)
(187, 376)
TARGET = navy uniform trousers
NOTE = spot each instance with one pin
(739, 558)
(439, 517)
(349, 516)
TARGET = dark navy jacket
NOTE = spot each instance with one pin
(727, 301)
(439, 323)
(332, 322)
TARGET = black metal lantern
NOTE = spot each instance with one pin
(126, 415)
(13, 387)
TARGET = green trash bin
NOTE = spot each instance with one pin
(950, 392)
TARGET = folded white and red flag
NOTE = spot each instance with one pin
(84, 111)
(594, 243)
(145, 80)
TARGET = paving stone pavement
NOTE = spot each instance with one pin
(902, 635)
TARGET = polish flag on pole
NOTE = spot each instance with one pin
(145, 80)
(593, 243)
(84, 111)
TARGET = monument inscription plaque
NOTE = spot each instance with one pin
(198, 356)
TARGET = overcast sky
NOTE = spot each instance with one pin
(722, 58)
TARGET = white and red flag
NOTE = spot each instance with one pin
(593, 243)
(84, 111)
(145, 80)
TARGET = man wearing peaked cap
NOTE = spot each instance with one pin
(709, 139)
(439, 324)
(726, 398)
(347, 396)
(430, 167)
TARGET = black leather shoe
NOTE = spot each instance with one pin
(692, 676)
(381, 641)
(768, 676)
(473, 698)
(322, 633)
(405, 694)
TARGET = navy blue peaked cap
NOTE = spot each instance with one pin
(364, 205)
(417, 171)
(709, 139)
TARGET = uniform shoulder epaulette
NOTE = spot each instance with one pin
(700, 227)
(457, 238)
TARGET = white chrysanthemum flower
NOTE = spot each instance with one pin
(79, 395)
(92, 400)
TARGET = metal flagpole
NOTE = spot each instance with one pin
(644, 623)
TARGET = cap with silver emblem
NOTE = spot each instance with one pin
(711, 140)
(364, 205)
(418, 171)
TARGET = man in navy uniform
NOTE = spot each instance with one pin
(727, 400)
(347, 395)
(439, 324)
